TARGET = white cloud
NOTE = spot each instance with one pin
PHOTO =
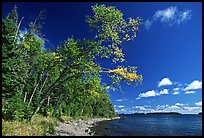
(175, 93)
(198, 103)
(190, 108)
(111, 88)
(177, 107)
(141, 107)
(152, 93)
(165, 81)
(179, 104)
(148, 24)
(174, 107)
(25, 31)
(166, 15)
(189, 92)
(46, 43)
(176, 89)
(119, 100)
(22, 32)
(194, 85)
(162, 106)
(165, 91)
(170, 16)
(108, 87)
(121, 106)
(148, 94)
(184, 16)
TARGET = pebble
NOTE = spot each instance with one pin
(79, 127)
(75, 127)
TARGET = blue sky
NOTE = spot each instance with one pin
(167, 50)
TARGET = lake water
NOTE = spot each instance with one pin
(151, 125)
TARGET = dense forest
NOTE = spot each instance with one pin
(66, 80)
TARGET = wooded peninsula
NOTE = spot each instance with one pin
(41, 85)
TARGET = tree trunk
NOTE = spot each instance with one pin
(34, 91)
(24, 100)
(55, 110)
(32, 95)
(45, 96)
(43, 86)
(18, 28)
(38, 108)
(48, 101)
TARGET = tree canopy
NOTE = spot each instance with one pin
(66, 80)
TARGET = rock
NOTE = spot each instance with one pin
(76, 127)
(75, 124)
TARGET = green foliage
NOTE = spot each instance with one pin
(112, 28)
(66, 81)
(38, 126)
(12, 66)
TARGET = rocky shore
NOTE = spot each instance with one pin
(80, 127)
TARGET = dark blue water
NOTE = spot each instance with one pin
(152, 125)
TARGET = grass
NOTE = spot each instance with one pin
(38, 126)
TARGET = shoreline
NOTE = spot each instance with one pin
(78, 127)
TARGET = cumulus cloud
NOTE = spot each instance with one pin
(175, 93)
(161, 106)
(144, 107)
(165, 91)
(121, 106)
(170, 16)
(165, 81)
(152, 93)
(147, 94)
(189, 108)
(140, 107)
(182, 108)
(194, 85)
(178, 107)
(189, 92)
(179, 104)
(119, 100)
(176, 89)
(174, 107)
(198, 103)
